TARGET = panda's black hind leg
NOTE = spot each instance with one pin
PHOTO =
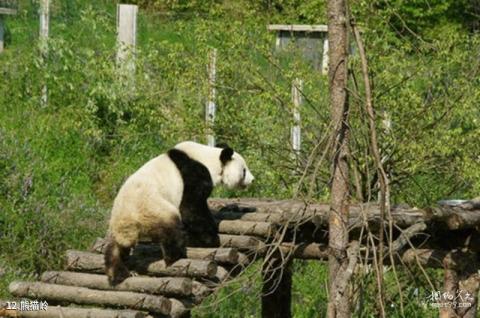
(173, 243)
(115, 258)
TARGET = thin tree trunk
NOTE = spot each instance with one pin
(339, 302)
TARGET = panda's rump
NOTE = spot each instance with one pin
(141, 215)
(155, 213)
(148, 200)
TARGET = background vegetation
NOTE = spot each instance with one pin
(61, 164)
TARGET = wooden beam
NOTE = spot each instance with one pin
(242, 242)
(81, 295)
(284, 210)
(456, 218)
(220, 255)
(240, 227)
(306, 251)
(298, 27)
(72, 312)
(180, 308)
(8, 11)
(95, 263)
(152, 285)
(201, 291)
(457, 260)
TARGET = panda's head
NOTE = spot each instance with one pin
(235, 173)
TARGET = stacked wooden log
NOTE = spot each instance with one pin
(249, 228)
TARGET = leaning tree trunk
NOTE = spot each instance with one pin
(338, 303)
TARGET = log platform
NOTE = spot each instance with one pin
(442, 237)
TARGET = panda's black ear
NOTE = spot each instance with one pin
(226, 155)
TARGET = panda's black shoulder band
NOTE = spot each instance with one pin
(178, 156)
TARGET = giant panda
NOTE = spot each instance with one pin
(166, 200)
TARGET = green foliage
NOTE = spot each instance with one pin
(414, 18)
(430, 97)
(178, 6)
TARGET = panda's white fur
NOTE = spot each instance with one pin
(150, 198)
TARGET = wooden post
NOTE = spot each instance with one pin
(44, 30)
(210, 107)
(339, 277)
(2, 33)
(461, 286)
(126, 41)
(44, 19)
(278, 40)
(325, 57)
(277, 288)
(297, 87)
(450, 286)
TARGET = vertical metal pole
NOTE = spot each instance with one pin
(325, 57)
(210, 107)
(44, 19)
(127, 41)
(297, 87)
(44, 30)
(278, 40)
(2, 33)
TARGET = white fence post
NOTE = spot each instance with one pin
(297, 87)
(44, 31)
(325, 57)
(2, 33)
(210, 107)
(127, 40)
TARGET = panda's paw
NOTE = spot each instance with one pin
(120, 275)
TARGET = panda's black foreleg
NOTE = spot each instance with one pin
(115, 256)
(210, 225)
(200, 225)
